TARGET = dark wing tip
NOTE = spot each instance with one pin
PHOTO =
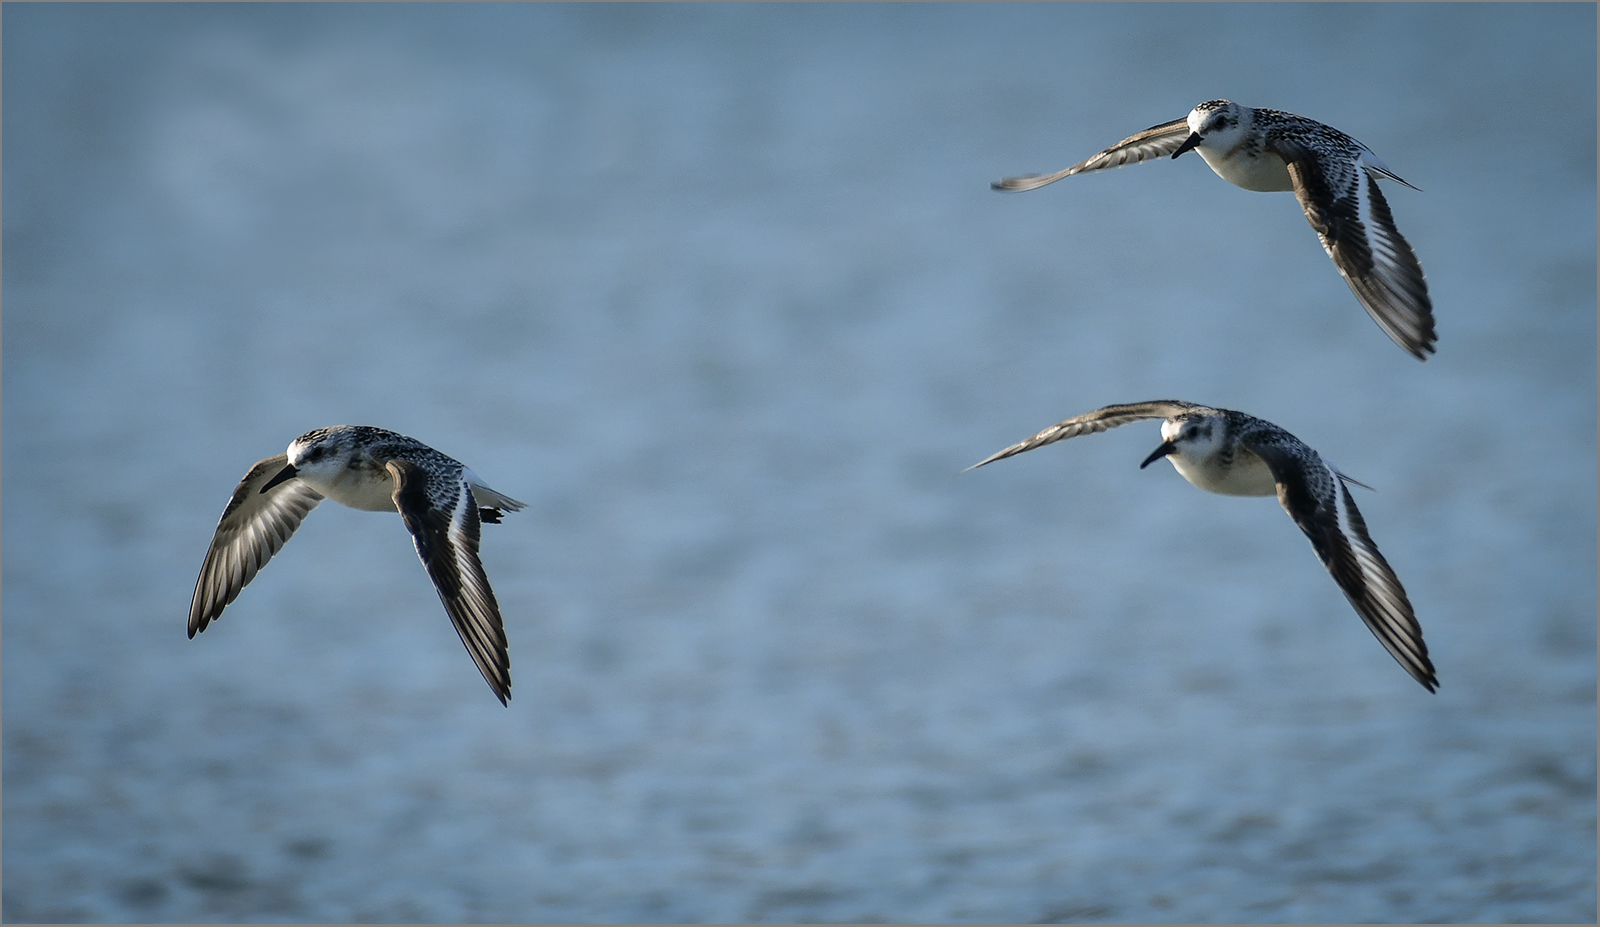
(1423, 671)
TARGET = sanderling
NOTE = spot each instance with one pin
(375, 470)
(1234, 454)
(1333, 175)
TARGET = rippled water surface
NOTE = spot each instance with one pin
(723, 294)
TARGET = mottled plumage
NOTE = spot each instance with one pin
(441, 502)
(1334, 177)
(1231, 453)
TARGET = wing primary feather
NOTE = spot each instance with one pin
(254, 526)
(1320, 504)
(1356, 227)
(1093, 423)
(1153, 142)
(447, 543)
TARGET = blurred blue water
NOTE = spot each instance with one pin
(722, 292)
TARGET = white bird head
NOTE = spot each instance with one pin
(1216, 124)
(1194, 437)
(317, 456)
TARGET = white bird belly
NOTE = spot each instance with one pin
(367, 490)
(1248, 475)
(1264, 173)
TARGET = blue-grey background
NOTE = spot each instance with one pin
(722, 293)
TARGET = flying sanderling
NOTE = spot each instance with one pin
(1333, 175)
(375, 470)
(1234, 454)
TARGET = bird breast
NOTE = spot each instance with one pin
(1258, 170)
(365, 489)
(1242, 474)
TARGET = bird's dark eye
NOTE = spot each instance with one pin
(314, 454)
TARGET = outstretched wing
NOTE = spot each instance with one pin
(443, 520)
(1316, 497)
(1092, 423)
(254, 526)
(1352, 218)
(1153, 142)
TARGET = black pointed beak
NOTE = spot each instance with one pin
(1166, 448)
(1188, 143)
(287, 473)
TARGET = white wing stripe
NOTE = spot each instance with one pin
(447, 544)
(1388, 610)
